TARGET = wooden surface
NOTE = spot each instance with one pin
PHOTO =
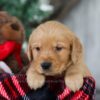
(84, 20)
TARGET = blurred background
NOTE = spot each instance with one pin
(81, 16)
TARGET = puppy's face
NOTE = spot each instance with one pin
(50, 49)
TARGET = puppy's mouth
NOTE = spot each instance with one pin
(50, 72)
(46, 72)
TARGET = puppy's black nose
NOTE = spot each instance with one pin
(46, 65)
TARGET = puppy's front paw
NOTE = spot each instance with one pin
(35, 81)
(74, 82)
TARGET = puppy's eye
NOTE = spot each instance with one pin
(37, 48)
(58, 48)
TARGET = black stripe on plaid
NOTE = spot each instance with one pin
(22, 81)
(88, 86)
(10, 88)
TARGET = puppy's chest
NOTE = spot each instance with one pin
(58, 87)
(56, 84)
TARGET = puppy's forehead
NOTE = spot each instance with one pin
(51, 30)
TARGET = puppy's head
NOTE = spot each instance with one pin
(53, 48)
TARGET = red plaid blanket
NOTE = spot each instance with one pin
(14, 87)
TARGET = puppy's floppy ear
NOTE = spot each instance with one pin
(29, 53)
(77, 50)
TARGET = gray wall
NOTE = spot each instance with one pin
(84, 20)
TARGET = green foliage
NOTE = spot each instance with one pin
(28, 11)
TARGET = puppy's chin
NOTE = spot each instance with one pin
(49, 73)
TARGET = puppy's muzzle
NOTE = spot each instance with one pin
(46, 65)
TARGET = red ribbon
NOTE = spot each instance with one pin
(8, 48)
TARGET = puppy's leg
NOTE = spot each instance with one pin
(34, 79)
(74, 78)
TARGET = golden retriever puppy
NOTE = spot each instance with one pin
(54, 50)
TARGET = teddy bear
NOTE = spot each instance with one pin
(12, 35)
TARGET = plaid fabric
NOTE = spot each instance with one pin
(87, 92)
(14, 87)
(58, 86)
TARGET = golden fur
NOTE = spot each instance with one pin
(53, 42)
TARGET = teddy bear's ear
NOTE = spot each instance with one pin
(77, 50)
(29, 53)
(15, 26)
(18, 27)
